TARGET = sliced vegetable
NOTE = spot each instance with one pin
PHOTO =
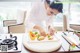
(36, 32)
(50, 37)
(73, 45)
(32, 35)
(40, 37)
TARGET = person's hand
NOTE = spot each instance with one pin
(36, 27)
(51, 31)
(41, 30)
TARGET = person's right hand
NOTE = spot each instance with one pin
(36, 27)
(41, 30)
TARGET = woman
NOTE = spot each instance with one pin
(42, 15)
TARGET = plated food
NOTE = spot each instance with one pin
(36, 36)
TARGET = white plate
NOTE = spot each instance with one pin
(41, 46)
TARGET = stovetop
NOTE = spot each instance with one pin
(10, 42)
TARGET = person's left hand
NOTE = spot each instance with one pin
(51, 31)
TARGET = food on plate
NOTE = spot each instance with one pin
(73, 44)
(42, 33)
(40, 29)
(32, 35)
(49, 37)
(40, 37)
(35, 33)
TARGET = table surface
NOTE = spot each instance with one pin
(66, 47)
(3, 30)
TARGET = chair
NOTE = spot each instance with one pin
(9, 22)
(18, 28)
(64, 27)
(75, 27)
(65, 23)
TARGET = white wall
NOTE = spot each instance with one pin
(12, 10)
(19, 5)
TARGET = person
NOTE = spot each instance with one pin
(42, 15)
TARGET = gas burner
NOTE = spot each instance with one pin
(11, 42)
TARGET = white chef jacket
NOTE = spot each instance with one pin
(38, 15)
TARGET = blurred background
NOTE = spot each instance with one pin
(17, 10)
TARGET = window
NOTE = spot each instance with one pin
(9, 10)
(75, 13)
(72, 11)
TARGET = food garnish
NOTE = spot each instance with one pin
(32, 35)
(36, 35)
(40, 37)
(49, 37)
